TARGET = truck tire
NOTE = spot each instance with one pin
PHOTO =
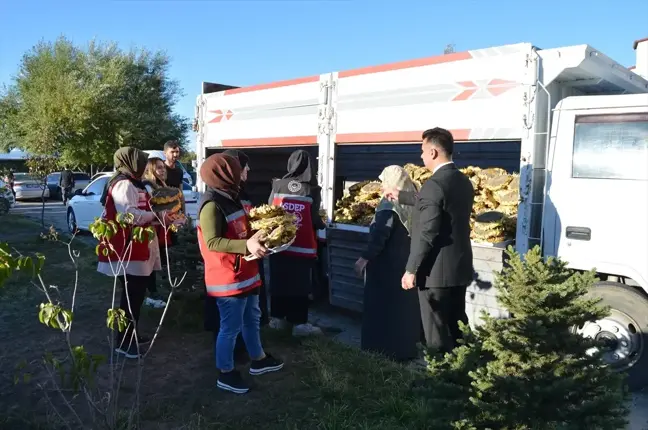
(626, 329)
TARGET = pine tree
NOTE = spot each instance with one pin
(530, 371)
(538, 374)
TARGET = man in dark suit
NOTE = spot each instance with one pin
(440, 260)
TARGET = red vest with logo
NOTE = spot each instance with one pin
(228, 274)
(118, 245)
(245, 201)
(299, 203)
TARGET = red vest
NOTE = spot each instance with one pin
(119, 243)
(229, 274)
(247, 206)
(305, 244)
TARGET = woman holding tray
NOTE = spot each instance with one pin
(225, 237)
(134, 263)
(291, 270)
(154, 178)
(247, 205)
(391, 320)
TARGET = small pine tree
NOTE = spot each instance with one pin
(530, 371)
(539, 375)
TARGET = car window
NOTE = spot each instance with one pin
(22, 177)
(96, 188)
(81, 177)
(611, 147)
(53, 177)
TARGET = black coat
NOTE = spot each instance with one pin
(391, 318)
(441, 252)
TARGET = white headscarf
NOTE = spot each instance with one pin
(397, 177)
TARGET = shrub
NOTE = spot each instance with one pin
(532, 370)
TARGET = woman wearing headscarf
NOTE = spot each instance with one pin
(225, 237)
(391, 321)
(291, 270)
(131, 261)
(247, 205)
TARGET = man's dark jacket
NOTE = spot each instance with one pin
(66, 179)
(441, 253)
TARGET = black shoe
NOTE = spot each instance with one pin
(129, 352)
(232, 381)
(265, 365)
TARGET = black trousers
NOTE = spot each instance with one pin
(441, 311)
(292, 308)
(137, 286)
(152, 286)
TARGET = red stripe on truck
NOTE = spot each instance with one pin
(447, 58)
(394, 136)
(270, 141)
(271, 85)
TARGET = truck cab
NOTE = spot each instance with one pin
(596, 213)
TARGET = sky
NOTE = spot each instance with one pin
(251, 42)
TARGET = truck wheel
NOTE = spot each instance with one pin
(625, 331)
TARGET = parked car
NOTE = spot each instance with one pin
(190, 193)
(27, 187)
(85, 205)
(81, 180)
(98, 174)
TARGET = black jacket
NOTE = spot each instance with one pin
(441, 252)
(66, 179)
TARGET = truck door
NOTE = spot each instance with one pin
(598, 191)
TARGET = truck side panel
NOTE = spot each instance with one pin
(478, 95)
(279, 114)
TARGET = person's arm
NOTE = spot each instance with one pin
(126, 197)
(407, 198)
(379, 233)
(430, 208)
(318, 224)
(214, 226)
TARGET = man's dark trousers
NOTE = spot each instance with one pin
(441, 311)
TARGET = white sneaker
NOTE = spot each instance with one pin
(277, 324)
(154, 303)
(307, 329)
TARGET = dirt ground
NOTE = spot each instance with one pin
(325, 385)
(319, 387)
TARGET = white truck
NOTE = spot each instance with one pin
(570, 120)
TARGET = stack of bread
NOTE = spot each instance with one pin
(496, 196)
(358, 205)
(279, 226)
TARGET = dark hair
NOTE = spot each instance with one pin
(171, 144)
(441, 138)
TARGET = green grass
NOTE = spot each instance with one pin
(324, 385)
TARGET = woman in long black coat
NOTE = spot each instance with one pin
(391, 321)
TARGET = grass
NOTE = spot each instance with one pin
(324, 385)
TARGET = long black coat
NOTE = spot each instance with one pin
(391, 319)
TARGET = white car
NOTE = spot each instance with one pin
(27, 187)
(85, 206)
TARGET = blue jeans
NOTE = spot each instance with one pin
(238, 315)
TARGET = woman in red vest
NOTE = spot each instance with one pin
(291, 270)
(225, 237)
(131, 261)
